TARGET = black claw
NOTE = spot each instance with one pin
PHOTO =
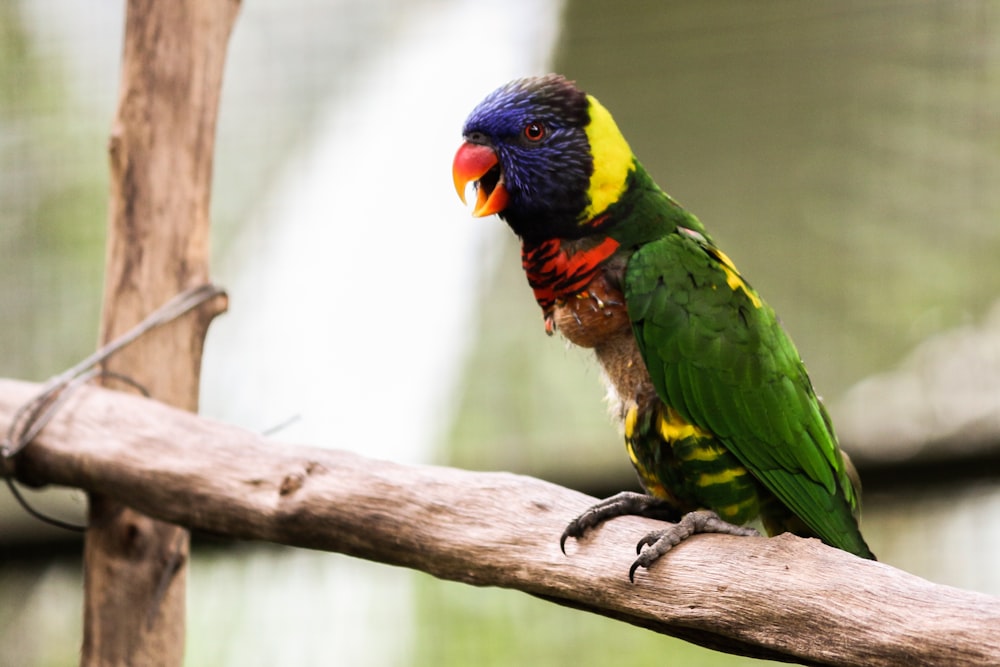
(631, 571)
(575, 529)
(626, 503)
(648, 540)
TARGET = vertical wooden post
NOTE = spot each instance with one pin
(161, 151)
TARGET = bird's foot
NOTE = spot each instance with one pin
(626, 503)
(659, 542)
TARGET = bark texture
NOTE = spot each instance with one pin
(161, 150)
(783, 598)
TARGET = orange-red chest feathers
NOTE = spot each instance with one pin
(571, 285)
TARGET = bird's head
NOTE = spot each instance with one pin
(543, 155)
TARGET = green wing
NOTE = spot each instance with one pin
(717, 354)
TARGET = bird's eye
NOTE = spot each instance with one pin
(534, 131)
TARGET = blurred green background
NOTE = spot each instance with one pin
(846, 155)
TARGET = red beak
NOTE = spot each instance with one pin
(472, 163)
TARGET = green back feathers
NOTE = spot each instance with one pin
(718, 356)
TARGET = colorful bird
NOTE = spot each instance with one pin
(720, 418)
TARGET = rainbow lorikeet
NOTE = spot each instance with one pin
(720, 418)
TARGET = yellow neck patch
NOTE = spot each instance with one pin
(612, 160)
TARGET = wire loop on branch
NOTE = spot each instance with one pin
(32, 417)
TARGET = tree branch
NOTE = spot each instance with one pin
(783, 598)
(161, 150)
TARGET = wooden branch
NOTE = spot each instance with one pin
(161, 152)
(783, 598)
